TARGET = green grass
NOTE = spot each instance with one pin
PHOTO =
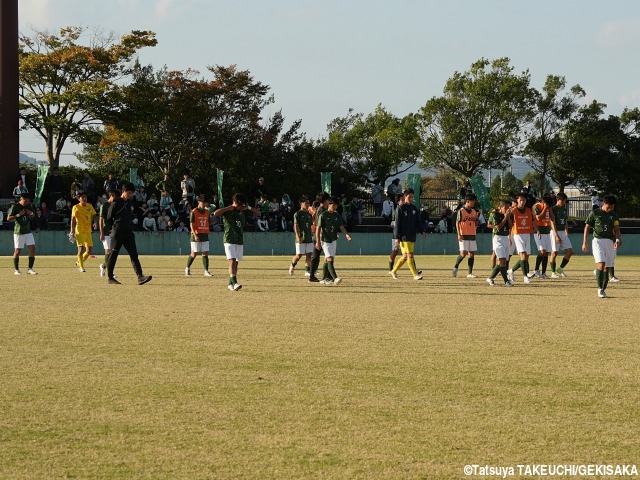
(373, 378)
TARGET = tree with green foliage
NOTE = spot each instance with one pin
(477, 123)
(535, 179)
(442, 184)
(553, 110)
(375, 147)
(64, 83)
(504, 185)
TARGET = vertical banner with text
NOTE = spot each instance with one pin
(133, 176)
(481, 192)
(43, 170)
(220, 175)
(325, 182)
(413, 181)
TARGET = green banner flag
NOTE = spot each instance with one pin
(481, 192)
(325, 182)
(220, 174)
(43, 170)
(413, 181)
(133, 176)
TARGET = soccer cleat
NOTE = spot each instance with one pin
(230, 287)
(543, 276)
(454, 272)
(236, 287)
(533, 274)
(17, 272)
(394, 275)
(491, 282)
(601, 293)
(326, 281)
(291, 270)
(207, 273)
(307, 274)
(103, 270)
(508, 284)
(595, 272)
(313, 279)
(144, 279)
(337, 280)
(417, 277)
(614, 280)
(560, 271)
(537, 274)
(471, 275)
(555, 275)
(187, 271)
(31, 271)
(113, 281)
(82, 270)
(527, 280)
(510, 275)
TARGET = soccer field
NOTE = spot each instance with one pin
(372, 378)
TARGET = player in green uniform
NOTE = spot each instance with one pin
(21, 214)
(329, 222)
(199, 224)
(234, 218)
(560, 239)
(606, 239)
(304, 238)
(500, 223)
(105, 229)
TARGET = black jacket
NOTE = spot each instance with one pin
(121, 214)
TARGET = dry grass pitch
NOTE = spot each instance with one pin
(373, 378)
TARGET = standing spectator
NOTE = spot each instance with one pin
(259, 190)
(595, 201)
(149, 223)
(111, 183)
(164, 185)
(377, 198)
(76, 188)
(82, 216)
(199, 222)
(121, 214)
(394, 188)
(342, 189)
(39, 222)
(89, 187)
(165, 200)
(388, 208)
(21, 213)
(19, 189)
(24, 177)
(188, 187)
(55, 187)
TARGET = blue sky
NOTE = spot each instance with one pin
(321, 58)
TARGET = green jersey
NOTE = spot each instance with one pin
(330, 224)
(234, 222)
(561, 215)
(495, 218)
(104, 209)
(603, 223)
(303, 219)
(22, 224)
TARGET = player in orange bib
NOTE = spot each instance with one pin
(466, 226)
(523, 226)
(199, 221)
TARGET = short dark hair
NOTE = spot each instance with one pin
(470, 196)
(113, 193)
(25, 195)
(522, 195)
(240, 198)
(409, 191)
(333, 200)
(303, 199)
(128, 187)
(200, 198)
(561, 196)
(609, 200)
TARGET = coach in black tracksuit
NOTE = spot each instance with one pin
(121, 214)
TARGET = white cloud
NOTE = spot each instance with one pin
(621, 33)
(36, 13)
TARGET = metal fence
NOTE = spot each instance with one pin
(579, 207)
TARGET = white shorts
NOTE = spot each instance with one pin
(200, 247)
(233, 251)
(523, 242)
(468, 245)
(106, 243)
(564, 244)
(544, 242)
(512, 246)
(304, 248)
(501, 245)
(329, 248)
(603, 251)
(19, 241)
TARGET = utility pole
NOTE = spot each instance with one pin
(9, 123)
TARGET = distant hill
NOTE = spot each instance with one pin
(26, 160)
